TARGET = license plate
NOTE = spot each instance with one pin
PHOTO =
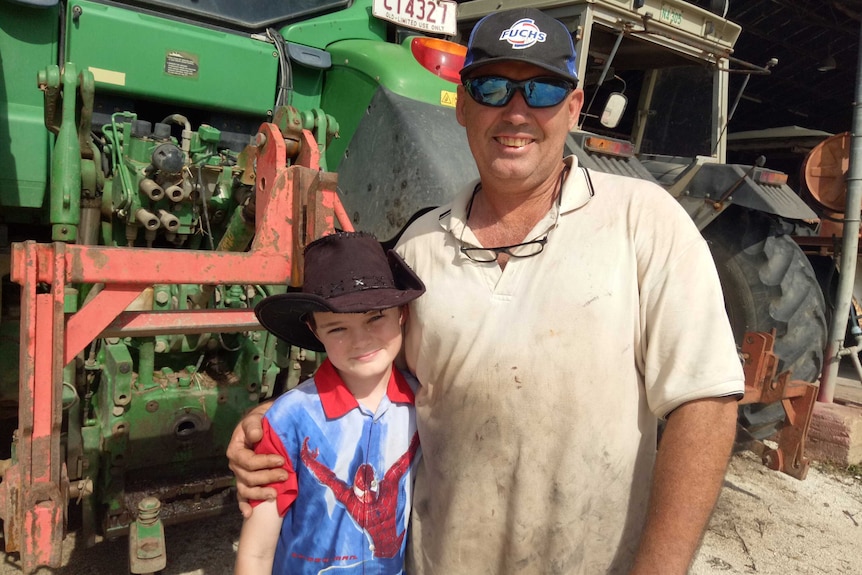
(437, 16)
(670, 15)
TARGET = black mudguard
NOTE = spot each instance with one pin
(406, 156)
(714, 180)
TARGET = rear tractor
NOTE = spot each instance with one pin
(656, 77)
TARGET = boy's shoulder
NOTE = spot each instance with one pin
(410, 379)
(304, 399)
(301, 398)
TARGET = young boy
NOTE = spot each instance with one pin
(348, 435)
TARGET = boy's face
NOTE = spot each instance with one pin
(360, 345)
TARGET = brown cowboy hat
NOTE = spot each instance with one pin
(346, 272)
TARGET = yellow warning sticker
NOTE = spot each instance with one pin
(448, 98)
(108, 76)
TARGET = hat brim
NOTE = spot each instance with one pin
(468, 71)
(284, 314)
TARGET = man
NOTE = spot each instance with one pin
(565, 312)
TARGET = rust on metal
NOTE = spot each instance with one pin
(194, 321)
(294, 205)
(762, 385)
(35, 487)
(82, 327)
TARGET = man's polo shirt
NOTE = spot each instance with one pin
(346, 503)
(541, 383)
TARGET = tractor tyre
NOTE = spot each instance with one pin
(768, 284)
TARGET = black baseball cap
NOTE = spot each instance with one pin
(525, 35)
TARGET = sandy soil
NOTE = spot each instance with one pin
(766, 523)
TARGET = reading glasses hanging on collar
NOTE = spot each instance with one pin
(522, 250)
(488, 255)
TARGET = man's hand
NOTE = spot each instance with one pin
(253, 470)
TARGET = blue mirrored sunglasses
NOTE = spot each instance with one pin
(496, 91)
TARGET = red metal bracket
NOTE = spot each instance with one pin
(797, 397)
(294, 205)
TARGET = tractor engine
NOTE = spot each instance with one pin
(145, 412)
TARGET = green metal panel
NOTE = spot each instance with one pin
(358, 68)
(354, 22)
(307, 87)
(390, 65)
(28, 43)
(151, 57)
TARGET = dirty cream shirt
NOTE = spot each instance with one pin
(541, 384)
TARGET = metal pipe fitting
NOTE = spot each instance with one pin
(175, 193)
(169, 221)
(151, 189)
(147, 219)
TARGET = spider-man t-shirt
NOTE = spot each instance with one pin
(346, 502)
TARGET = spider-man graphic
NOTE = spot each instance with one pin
(371, 503)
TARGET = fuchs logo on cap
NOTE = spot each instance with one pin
(523, 34)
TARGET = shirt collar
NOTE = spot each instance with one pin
(577, 191)
(337, 399)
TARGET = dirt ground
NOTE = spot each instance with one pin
(766, 523)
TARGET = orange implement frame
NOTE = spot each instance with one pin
(797, 397)
(294, 205)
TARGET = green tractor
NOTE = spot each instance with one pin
(163, 165)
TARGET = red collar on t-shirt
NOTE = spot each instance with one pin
(337, 399)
